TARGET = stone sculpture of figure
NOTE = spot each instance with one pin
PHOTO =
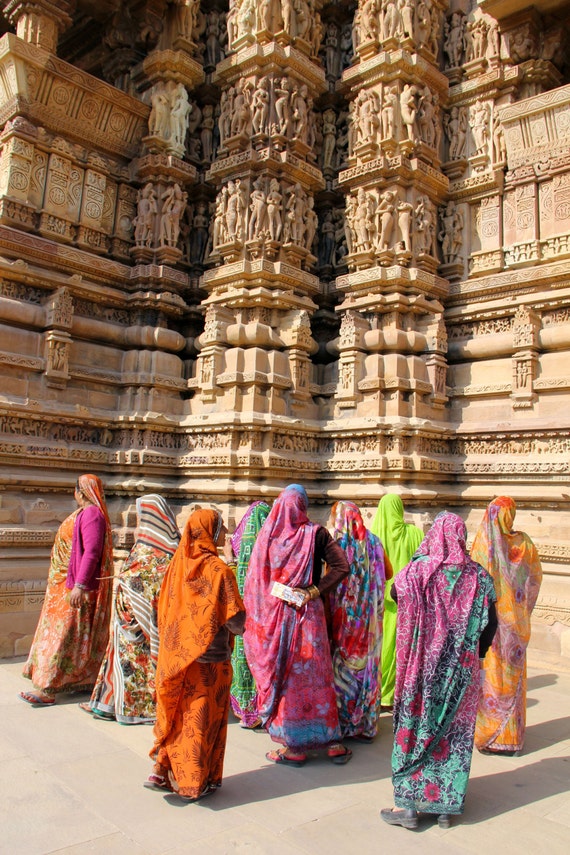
(451, 234)
(246, 18)
(499, 145)
(241, 109)
(159, 119)
(220, 234)
(235, 211)
(453, 44)
(346, 47)
(199, 235)
(179, 113)
(389, 108)
(213, 50)
(326, 239)
(369, 21)
(406, 8)
(187, 18)
(408, 110)
(356, 30)
(423, 23)
(260, 107)
(283, 92)
(455, 124)
(405, 210)
(329, 138)
(225, 119)
(369, 117)
(232, 23)
(425, 227)
(493, 39)
(146, 216)
(300, 113)
(362, 222)
(349, 221)
(316, 33)
(331, 51)
(302, 19)
(295, 212)
(434, 30)
(480, 126)
(274, 210)
(173, 205)
(258, 210)
(391, 21)
(385, 219)
(207, 132)
(311, 223)
(427, 118)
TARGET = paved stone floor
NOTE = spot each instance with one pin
(71, 784)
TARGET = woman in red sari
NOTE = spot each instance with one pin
(287, 647)
(512, 560)
(73, 628)
(199, 611)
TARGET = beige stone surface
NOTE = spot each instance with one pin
(73, 784)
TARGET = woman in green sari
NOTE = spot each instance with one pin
(400, 540)
(243, 693)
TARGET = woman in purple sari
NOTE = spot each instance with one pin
(287, 646)
(446, 623)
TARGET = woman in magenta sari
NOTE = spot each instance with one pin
(446, 622)
(287, 647)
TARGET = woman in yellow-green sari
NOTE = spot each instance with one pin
(512, 560)
(400, 540)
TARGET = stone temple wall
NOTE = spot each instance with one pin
(249, 244)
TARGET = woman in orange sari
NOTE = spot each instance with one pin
(73, 629)
(199, 611)
(512, 560)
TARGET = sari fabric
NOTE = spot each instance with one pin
(69, 643)
(400, 540)
(243, 693)
(512, 560)
(287, 649)
(356, 607)
(125, 686)
(443, 603)
(198, 596)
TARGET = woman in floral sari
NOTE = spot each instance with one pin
(73, 628)
(357, 605)
(287, 646)
(125, 687)
(445, 603)
(512, 560)
(199, 612)
(400, 540)
(243, 694)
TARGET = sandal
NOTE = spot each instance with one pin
(339, 754)
(284, 757)
(208, 790)
(156, 782)
(36, 700)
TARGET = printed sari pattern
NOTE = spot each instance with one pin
(357, 606)
(513, 563)
(443, 602)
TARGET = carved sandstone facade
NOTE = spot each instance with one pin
(263, 241)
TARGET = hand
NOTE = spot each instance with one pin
(306, 597)
(76, 597)
(228, 550)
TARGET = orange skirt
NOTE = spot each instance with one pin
(193, 750)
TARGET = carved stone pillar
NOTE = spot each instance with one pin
(40, 22)
(59, 317)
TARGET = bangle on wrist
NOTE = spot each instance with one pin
(314, 592)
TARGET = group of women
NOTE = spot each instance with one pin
(303, 630)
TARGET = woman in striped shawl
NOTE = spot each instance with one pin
(125, 688)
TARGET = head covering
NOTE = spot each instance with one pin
(92, 488)
(156, 525)
(399, 539)
(238, 533)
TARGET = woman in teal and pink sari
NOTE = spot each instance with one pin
(287, 646)
(243, 693)
(446, 622)
(357, 605)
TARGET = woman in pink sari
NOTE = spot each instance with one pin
(286, 646)
(512, 560)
